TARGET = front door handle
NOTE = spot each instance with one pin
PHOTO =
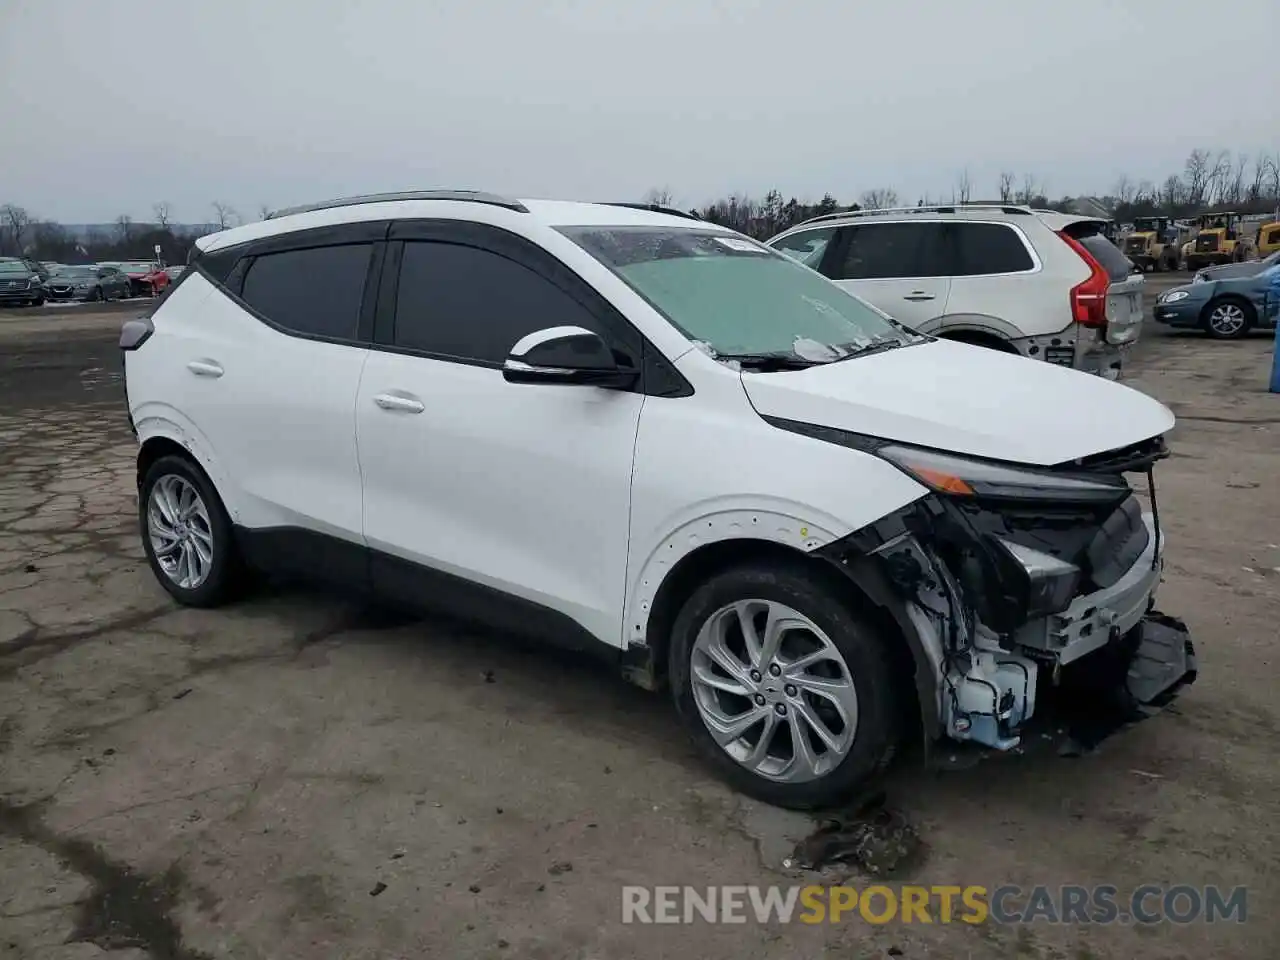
(917, 295)
(391, 401)
(205, 368)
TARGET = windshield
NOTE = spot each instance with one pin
(75, 272)
(14, 266)
(738, 297)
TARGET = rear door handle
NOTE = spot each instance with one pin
(917, 295)
(205, 368)
(391, 401)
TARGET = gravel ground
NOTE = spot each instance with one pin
(298, 777)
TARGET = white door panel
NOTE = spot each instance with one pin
(276, 412)
(915, 301)
(524, 488)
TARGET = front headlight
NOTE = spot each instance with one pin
(1174, 296)
(962, 477)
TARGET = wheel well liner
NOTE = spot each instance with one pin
(157, 447)
(861, 584)
(1250, 311)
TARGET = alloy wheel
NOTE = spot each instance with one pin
(1227, 319)
(180, 532)
(774, 691)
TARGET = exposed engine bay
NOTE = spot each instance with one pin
(1010, 587)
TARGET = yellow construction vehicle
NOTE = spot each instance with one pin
(1268, 239)
(1153, 243)
(1217, 240)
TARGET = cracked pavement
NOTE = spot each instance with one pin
(298, 776)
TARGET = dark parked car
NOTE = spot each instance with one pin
(1225, 306)
(19, 284)
(87, 283)
(1224, 271)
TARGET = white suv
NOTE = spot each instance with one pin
(657, 440)
(1046, 285)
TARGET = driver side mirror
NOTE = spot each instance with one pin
(565, 355)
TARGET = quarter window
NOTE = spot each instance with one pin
(316, 292)
(883, 251)
(471, 304)
(987, 248)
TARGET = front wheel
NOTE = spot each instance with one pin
(783, 688)
(1228, 319)
(187, 534)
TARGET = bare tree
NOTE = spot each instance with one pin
(1030, 189)
(1196, 173)
(1261, 168)
(15, 225)
(1216, 181)
(124, 228)
(1175, 193)
(223, 214)
(963, 189)
(1274, 192)
(264, 211)
(1124, 190)
(163, 214)
(1006, 186)
(659, 196)
(879, 198)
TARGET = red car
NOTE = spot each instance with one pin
(145, 278)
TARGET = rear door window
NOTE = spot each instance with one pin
(890, 251)
(315, 292)
(982, 249)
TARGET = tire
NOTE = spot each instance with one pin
(167, 482)
(864, 745)
(1228, 318)
(38, 302)
(98, 295)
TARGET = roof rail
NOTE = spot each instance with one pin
(470, 196)
(655, 208)
(927, 208)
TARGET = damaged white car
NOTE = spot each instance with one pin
(652, 438)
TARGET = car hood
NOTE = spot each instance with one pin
(965, 399)
(1227, 271)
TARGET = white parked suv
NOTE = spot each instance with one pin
(654, 439)
(1046, 285)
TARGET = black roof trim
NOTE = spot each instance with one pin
(655, 208)
(468, 196)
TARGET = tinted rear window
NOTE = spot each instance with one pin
(1105, 252)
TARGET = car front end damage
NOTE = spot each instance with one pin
(1013, 585)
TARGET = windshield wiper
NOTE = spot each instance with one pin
(765, 362)
(875, 346)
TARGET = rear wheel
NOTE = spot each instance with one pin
(782, 687)
(187, 534)
(1228, 318)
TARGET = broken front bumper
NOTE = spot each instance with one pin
(1104, 651)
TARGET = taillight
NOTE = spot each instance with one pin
(1089, 298)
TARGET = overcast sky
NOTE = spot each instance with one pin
(107, 108)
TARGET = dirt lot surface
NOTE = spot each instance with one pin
(295, 776)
